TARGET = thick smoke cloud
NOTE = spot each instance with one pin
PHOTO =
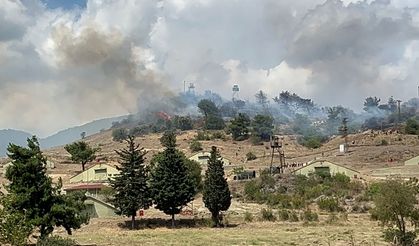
(60, 68)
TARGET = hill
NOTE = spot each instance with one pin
(60, 138)
(11, 136)
(72, 134)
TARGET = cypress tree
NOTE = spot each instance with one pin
(172, 186)
(216, 194)
(131, 189)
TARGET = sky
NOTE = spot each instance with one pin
(64, 63)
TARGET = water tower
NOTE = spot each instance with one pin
(235, 90)
(191, 89)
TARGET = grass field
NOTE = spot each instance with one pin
(358, 230)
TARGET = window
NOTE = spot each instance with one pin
(100, 171)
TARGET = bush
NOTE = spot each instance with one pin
(119, 134)
(311, 141)
(283, 215)
(248, 217)
(218, 135)
(412, 127)
(329, 204)
(14, 228)
(309, 216)
(384, 142)
(332, 218)
(256, 140)
(195, 146)
(293, 216)
(202, 136)
(406, 239)
(267, 215)
(252, 191)
(250, 156)
(56, 241)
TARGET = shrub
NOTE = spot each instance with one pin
(256, 140)
(248, 217)
(218, 135)
(203, 136)
(384, 142)
(293, 216)
(195, 146)
(250, 156)
(267, 215)
(309, 216)
(252, 191)
(119, 134)
(283, 215)
(402, 239)
(412, 127)
(329, 204)
(332, 218)
(14, 228)
(56, 241)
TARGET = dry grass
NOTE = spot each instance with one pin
(357, 231)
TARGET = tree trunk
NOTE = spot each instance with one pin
(82, 166)
(133, 222)
(173, 220)
(216, 219)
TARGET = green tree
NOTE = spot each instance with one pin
(81, 152)
(195, 146)
(262, 126)
(119, 134)
(216, 193)
(395, 204)
(131, 191)
(31, 193)
(183, 122)
(212, 116)
(239, 127)
(412, 126)
(171, 185)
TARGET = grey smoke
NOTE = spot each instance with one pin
(117, 57)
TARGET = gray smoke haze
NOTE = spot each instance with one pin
(59, 68)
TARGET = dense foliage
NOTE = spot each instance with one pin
(81, 152)
(131, 190)
(216, 193)
(171, 185)
(32, 200)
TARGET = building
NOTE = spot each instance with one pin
(203, 157)
(413, 161)
(90, 189)
(98, 173)
(95, 203)
(96, 208)
(322, 166)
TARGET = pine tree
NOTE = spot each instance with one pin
(81, 152)
(131, 189)
(172, 186)
(216, 194)
(32, 193)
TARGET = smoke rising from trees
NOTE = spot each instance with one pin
(63, 67)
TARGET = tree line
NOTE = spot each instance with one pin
(33, 203)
